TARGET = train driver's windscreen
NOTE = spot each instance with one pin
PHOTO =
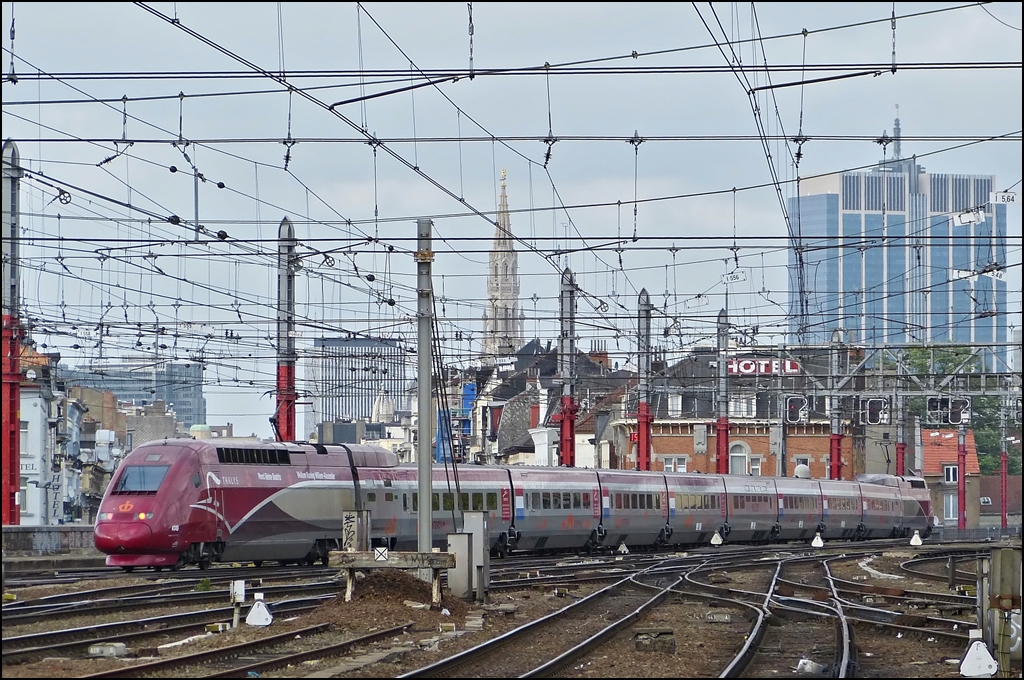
(141, 478)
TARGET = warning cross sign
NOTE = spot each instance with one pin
(380, 554)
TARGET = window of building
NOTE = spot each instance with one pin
(951, 473)
(950, 511)
(23, 442)
(737, 464)
(743, 405)
(680, 465)
(755, 467)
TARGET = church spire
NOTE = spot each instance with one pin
(503, 322)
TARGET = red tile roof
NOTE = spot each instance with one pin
(940, 450)
(990, 487)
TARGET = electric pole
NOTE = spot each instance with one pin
(643, 410)
(11, 398)
(284, 416)
(424, 317)
(566, 416)
(722, 429)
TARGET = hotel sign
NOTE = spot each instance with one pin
(757, 366)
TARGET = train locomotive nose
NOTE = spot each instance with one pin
(120, 537)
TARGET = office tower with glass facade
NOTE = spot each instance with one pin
(899, 255)
(346, 375)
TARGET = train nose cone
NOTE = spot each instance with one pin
(120, 537)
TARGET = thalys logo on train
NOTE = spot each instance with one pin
(127, 506)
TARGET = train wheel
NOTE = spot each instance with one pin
(204, 564)
(128, 570)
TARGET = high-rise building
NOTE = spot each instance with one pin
(898, 255)
(503, 320)
(345, 376)
(144, 383)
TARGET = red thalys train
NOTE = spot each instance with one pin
(185, 501)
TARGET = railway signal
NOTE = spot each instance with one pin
(1017, 412)
(875, 411)
(959, 410)
(796, 408)
(949, 410)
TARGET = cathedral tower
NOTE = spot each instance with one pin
(503, 321)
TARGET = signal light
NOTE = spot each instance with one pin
(796, 409)
(1017, 416)
(949, 410)
(960, 410)
(876, 411)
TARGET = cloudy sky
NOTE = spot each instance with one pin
(638, 158)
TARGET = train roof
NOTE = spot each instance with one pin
(363, 455)
(889, 480)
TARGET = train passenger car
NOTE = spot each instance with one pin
(917, 506)
(560, 508)
(634, 508)
(882, 505)
(799, 508)
(751, 508)
(696, 507)
(841, 510)
(392, 497)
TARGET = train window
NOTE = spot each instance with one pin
(586, 500)
(657, 501)
(448, 502)
(196, 480)
(463, 502)
(492, 500)
(536, 500)
(556, 501)
(141, 478)
(371, 497)
(405, 501)
(546, 500)
(478, 501)
(567, 500)
(435, 502)
(577, 502)
(618, 501)
(415, 502)
(650, 502)
(633, 502)
(702, 501)
(389, 497)
(735, 502)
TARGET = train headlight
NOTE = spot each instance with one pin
(145, 515)
(105, 516)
